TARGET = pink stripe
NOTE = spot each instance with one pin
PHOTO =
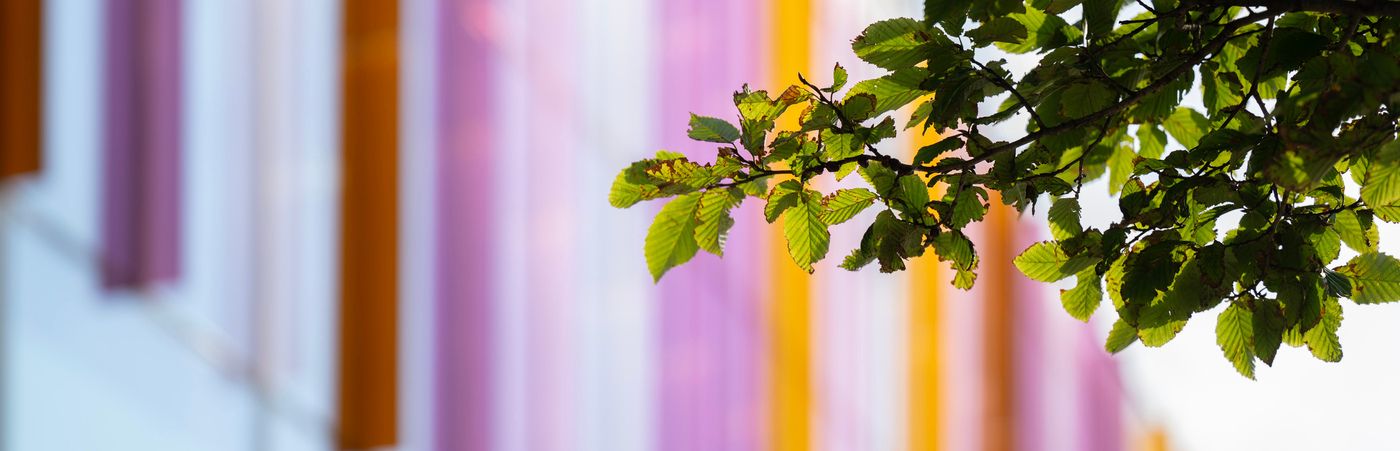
(465, 179)
(141, 156)
(1031, 347)
(551, 150)
(1100, 396)
(710, 337)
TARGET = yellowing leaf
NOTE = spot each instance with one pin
(1375, 278)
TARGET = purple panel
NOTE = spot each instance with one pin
(1031, 347)
(1100, 396)
(141, 153)
(464, 278)
(710, 311)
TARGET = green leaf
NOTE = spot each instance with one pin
(1375, 278)
(967, 207)
(756, 188)
(1100, 16)
(841, 145)
(1234, 332)
(625, 194)
(1382, 187)
(1151, 141)
(858, 107)
(913, 196)
(712, 218)
(897, 241)
(927, 154)
(806, 233)
(838, 76)
(1187, 126)
(892, 44)
(671, 239)
(951, 13)
(1322, 340)
(864, 254)
(1064, 218)
(1083, 99)
(1120, 168)
(782, 197)
(1046, 262)
(1120, 337)
(1337, 285)
(1085, 297)
(1268, 329)
(954, 247)
(675, 174)
(892, 91)
(1358, 236)
(1000, 29)
(1045, 32)
(709, 129)
(845, 204)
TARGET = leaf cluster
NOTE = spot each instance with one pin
(1245, 203)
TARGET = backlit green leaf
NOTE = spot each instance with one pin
(1187, 126)
(806, 233)
(1359, 237)
(1046, 262)
(671, 239)
(782, 197)
(1120, 337)
(1064, 218)
(845, 204)
(1234, 332)
(1085, 297)
(1322, 340)
(712, 218)
(892, 44)
(709, 129)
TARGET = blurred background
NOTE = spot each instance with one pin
(382, 224)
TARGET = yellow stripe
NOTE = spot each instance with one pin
(790, 308)
(926, 281)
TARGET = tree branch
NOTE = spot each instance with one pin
(1189, 63)
(1346, 7)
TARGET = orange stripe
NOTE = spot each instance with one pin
(20, 86)
(369, 266)
(1156, 440)
(926, 282)
(997, 251)
(790, 306)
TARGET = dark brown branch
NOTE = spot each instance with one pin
(1346, 7)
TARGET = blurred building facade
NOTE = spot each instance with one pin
(360, 224)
